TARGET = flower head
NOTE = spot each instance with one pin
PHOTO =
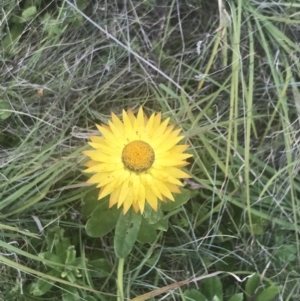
(137, 160)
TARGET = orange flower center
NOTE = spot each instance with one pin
(138, 156)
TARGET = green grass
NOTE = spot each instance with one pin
(236, 96)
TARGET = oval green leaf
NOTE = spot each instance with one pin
(237, 297)
(252, 285)
(194, 295)
(41, 286)
(5, 109)
(268, 294)
(70, 293)
(127, 230)
(29, 13)
(162, 225)
(213, 287)
(102, 221)
(99, 268)
(147, 233)
(91, 202)
(152, 216)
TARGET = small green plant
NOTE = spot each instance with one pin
(63, 263)
(213, 290)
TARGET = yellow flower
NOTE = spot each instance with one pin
(137, 160)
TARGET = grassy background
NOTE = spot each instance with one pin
(227, 72)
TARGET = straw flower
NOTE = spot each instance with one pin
(137, 160)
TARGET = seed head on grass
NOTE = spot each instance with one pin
(137, 160)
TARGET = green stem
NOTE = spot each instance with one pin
(120, 280)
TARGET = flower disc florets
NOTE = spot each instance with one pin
(138, 156)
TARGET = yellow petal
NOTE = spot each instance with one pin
(127, 121)
(156, 141)
(173, 188)
(114, 197)
(136, 207)
(168, 138)
(101, 179)
(97, 155)
(90, 163)
(167, 144)
(183, 164)
(164, 175)
(124, 192)
(168, 162)
(130, 134)
(117, 122)
(108, 134)
(151, 198)
(153, 187)
(179, 148)
(128, 202)
(149, 125)
(131, 117)
(136, 181)
(177, 173)
(178, 157)
(120, 135)
(162, 127)
(104, 167)
(142, 197)
(156, 123)
(139, 123)
(117, 151)
(163, 189)
(175, 150)
(109, 188)
(97, 139)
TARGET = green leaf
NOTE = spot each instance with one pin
(71, 277)
(41, 286)
(212, 287)
(258, 225)
(237, 297)
(180, 199)
(91, 202)
(162, 225)
(52, 26)
(29, 13)
(51, 257)
(268, 294)
(152, 216)
(61, 248)
(194, 295)
(126, 233)
(54, 235)
(147, 233)
(99, 268)
(251, 285)
(11, 39)
(70, 293)
(102, 221)
(71, 255)
(4, 109)
(286, 253)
